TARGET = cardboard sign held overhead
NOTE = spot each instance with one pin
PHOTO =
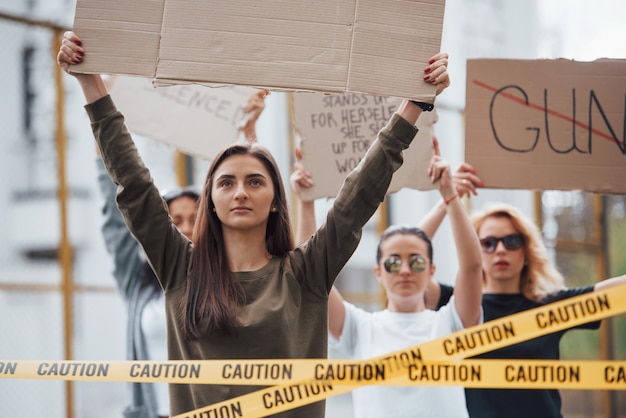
(336, 131)
(197, 120)
(547, 124)
(368, 46)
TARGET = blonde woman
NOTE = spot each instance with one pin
(517, 276)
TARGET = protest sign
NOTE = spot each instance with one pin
(369, 46)
(336, 131)
(547, 124)
(197, 120)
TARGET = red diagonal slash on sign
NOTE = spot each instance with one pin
(550, 112)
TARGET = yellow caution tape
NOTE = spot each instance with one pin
(517, 374)
(437, 362)
(528, 374)
(470, 342)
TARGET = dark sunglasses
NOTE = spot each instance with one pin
(393, 264)
(511, 242)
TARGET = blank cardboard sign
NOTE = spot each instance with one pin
(368, 46)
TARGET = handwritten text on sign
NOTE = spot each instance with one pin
(336, 132)
(548, 124)
(197, 120)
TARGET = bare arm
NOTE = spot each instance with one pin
(468, 289)
(254, 108)
(468, 283)
(608, 283)
(306, 226)
(465, 183)
(336, 313)
(301, 179)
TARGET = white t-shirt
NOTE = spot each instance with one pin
(366, 335)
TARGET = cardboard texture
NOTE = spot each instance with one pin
(336, 130)
(368, 46)
(547, 124)
(197, 120)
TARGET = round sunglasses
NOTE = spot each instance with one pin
(393, 264)
(511, 242)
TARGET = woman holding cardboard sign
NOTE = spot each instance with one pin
(241, 290)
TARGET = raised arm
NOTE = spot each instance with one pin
(301, 179)
(117, 238)
(138, 199)
(254, 108)
(468, 284)
(465, 181)
(608, 283)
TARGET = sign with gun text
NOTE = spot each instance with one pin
(337, 129)
(547, 124)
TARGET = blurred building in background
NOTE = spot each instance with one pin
(57, 296)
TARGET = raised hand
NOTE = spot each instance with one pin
(439, 170)
(437, 72)
(71, 51)
(466, 181)
(254, 108)
(300, 177)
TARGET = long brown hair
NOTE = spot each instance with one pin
(539, 277)
(213, 296)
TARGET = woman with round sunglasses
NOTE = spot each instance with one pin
(517, 275)
(404, 268)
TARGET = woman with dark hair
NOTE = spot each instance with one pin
(136, 282)
(140, 289)
(241, 290)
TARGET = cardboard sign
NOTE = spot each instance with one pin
(336, 131)
(547, 124)
(197, 120)
(369, 46)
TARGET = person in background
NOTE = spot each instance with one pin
(404, 268)
(517, 275)
(137, 283)
(242, 290)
